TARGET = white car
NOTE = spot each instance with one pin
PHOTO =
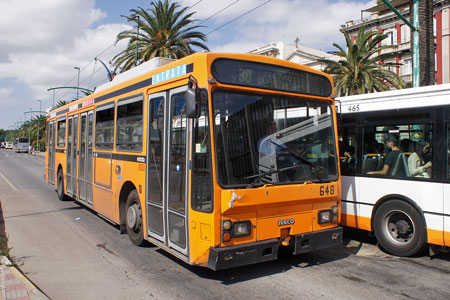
(8, 145)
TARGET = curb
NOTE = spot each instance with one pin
(15, 286)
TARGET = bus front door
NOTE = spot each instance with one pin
(167, 169)
(85, 161)
(72, 165)
(69, 169)
(51, 153)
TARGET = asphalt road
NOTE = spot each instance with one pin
(71, 253)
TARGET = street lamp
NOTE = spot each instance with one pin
(39, 126)
(136, 18)
(78, 82)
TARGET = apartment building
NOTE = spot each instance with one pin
(380, 18)
(296, 53)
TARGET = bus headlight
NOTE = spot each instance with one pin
(241, 228)
(325, 216)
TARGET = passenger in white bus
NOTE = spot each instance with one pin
(416, 164)
(348, 161)
(393, 143)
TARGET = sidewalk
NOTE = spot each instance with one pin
(15, 286)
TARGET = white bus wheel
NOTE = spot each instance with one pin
(399, 228)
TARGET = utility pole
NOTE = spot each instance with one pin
(137, 38)
(39, 126)
(414, 12)
(78, 82)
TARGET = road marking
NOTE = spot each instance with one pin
(8, 182)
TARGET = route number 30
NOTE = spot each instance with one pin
(326, 190)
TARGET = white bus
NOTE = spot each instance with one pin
(403, 197)
(21, 145)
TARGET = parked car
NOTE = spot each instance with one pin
(2, 145)
(9, 145)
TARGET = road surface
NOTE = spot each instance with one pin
(71, 253)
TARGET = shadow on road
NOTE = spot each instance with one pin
(43, 212)
(285, 262)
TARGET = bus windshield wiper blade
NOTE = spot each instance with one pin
(314, 168)
(268, 172)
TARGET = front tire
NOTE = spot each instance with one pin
(60, 186)
(399, 228)
(133, 220)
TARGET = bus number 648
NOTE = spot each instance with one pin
(326, 190)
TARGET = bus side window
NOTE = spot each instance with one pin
(130, 124)
(348, 150)
(61, 133)
(448, 152)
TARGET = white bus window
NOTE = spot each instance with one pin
(399, 151)
(348, 150)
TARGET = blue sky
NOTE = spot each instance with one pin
(43, 40)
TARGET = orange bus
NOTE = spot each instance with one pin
(219, 159)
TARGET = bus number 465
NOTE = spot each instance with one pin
(328, 190)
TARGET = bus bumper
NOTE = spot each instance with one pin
(317, 240)
(241, 255)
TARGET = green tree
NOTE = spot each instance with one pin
(362, 69)
(164, 31)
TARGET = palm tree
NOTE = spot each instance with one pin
(426, 42)
(361, 68)
(61, 103)
(160, 31)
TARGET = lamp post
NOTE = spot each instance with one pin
(29, 129)
(78, 82)
(39, 126)
(136, 17)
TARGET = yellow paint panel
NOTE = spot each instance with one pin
(103, 202)
(103, 171)
(447, 238)
(205, 232)
(436, 237)
(356, 222)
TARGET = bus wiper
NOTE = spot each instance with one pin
(266, 173)
(314, 168)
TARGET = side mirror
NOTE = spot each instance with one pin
(192, 95)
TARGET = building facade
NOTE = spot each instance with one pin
(380, 18)
(295, 53)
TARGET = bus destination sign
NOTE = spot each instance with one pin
(273, 77)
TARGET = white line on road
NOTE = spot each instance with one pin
(8, 182)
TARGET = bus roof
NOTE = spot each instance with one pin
(147, 69)
(434, 95)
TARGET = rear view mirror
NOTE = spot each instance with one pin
(192, 95)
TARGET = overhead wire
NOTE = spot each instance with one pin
(218, 12)
(216, 29)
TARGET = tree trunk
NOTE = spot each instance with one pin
(426, 41)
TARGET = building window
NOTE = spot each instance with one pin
(407, 67)
(406, 34)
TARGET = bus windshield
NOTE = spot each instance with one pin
(266, 139)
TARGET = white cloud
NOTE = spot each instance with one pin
(315, 23)
(43, 41)
(6, 95)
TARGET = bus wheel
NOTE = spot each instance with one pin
(134, 219)
(399, 228)
(60, 186)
